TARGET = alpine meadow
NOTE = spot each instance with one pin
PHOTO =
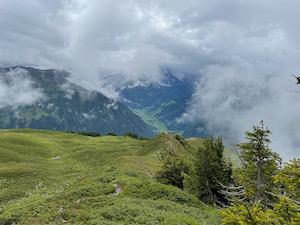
(149, 112)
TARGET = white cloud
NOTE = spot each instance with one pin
(89, 115)
(17, 89)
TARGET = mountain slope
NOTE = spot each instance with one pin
(65, 106)
(166, 143)
(50, 177)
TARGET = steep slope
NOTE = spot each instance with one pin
(50, 177)
(65, 106)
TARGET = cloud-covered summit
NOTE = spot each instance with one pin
(241, 53)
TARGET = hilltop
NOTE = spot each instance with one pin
(58, 177)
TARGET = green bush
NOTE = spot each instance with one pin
(90, 133)
(111, 134)
(138, 188)
(92, 190)
(132, 135)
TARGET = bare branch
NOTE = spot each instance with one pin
(231, 187)
(284, 197)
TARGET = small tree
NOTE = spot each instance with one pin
(260, 176)
(210, 171)
(173, 170)
(260, 164)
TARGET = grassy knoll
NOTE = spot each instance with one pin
(64, 178)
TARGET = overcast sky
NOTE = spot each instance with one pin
(241, 53)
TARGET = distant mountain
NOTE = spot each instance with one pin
(161, 105)
(65, 106)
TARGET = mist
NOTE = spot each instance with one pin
(17, 89)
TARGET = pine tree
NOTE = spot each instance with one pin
(260, 164)
(259, 176)
(172, 171)
(289, 179)
(286, 211)
(209, 171)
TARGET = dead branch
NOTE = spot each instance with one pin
(284, 197)
(231, 187)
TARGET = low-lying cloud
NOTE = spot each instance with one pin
(17, 89)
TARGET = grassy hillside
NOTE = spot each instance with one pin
(63, 178)
(165, 143)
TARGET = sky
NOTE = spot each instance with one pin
(240, 53)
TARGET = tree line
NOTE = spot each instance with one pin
(97, 134)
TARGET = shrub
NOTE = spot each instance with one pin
(132, 135)
(89, 133)
(111, 134)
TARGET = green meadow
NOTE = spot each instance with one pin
(51, 177)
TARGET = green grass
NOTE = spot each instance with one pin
(77, 188)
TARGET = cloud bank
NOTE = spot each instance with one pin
(241, 53)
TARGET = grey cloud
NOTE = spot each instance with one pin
(28, 35)
(241, 53)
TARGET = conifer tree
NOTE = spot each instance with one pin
(209, 171)
(289, 179)
(286, 211)
(172, 171)
(260, 163)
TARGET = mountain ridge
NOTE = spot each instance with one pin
(66, 106)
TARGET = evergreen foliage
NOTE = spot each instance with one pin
(289, 179)
(285, 212)
(173, 170)
(259, 165)
(111, 134)
(90, 133)
(180, 139)
(209, 171)
(243, 214)
(265, 202)
(132, 135)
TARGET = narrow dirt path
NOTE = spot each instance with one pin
(147, 171)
